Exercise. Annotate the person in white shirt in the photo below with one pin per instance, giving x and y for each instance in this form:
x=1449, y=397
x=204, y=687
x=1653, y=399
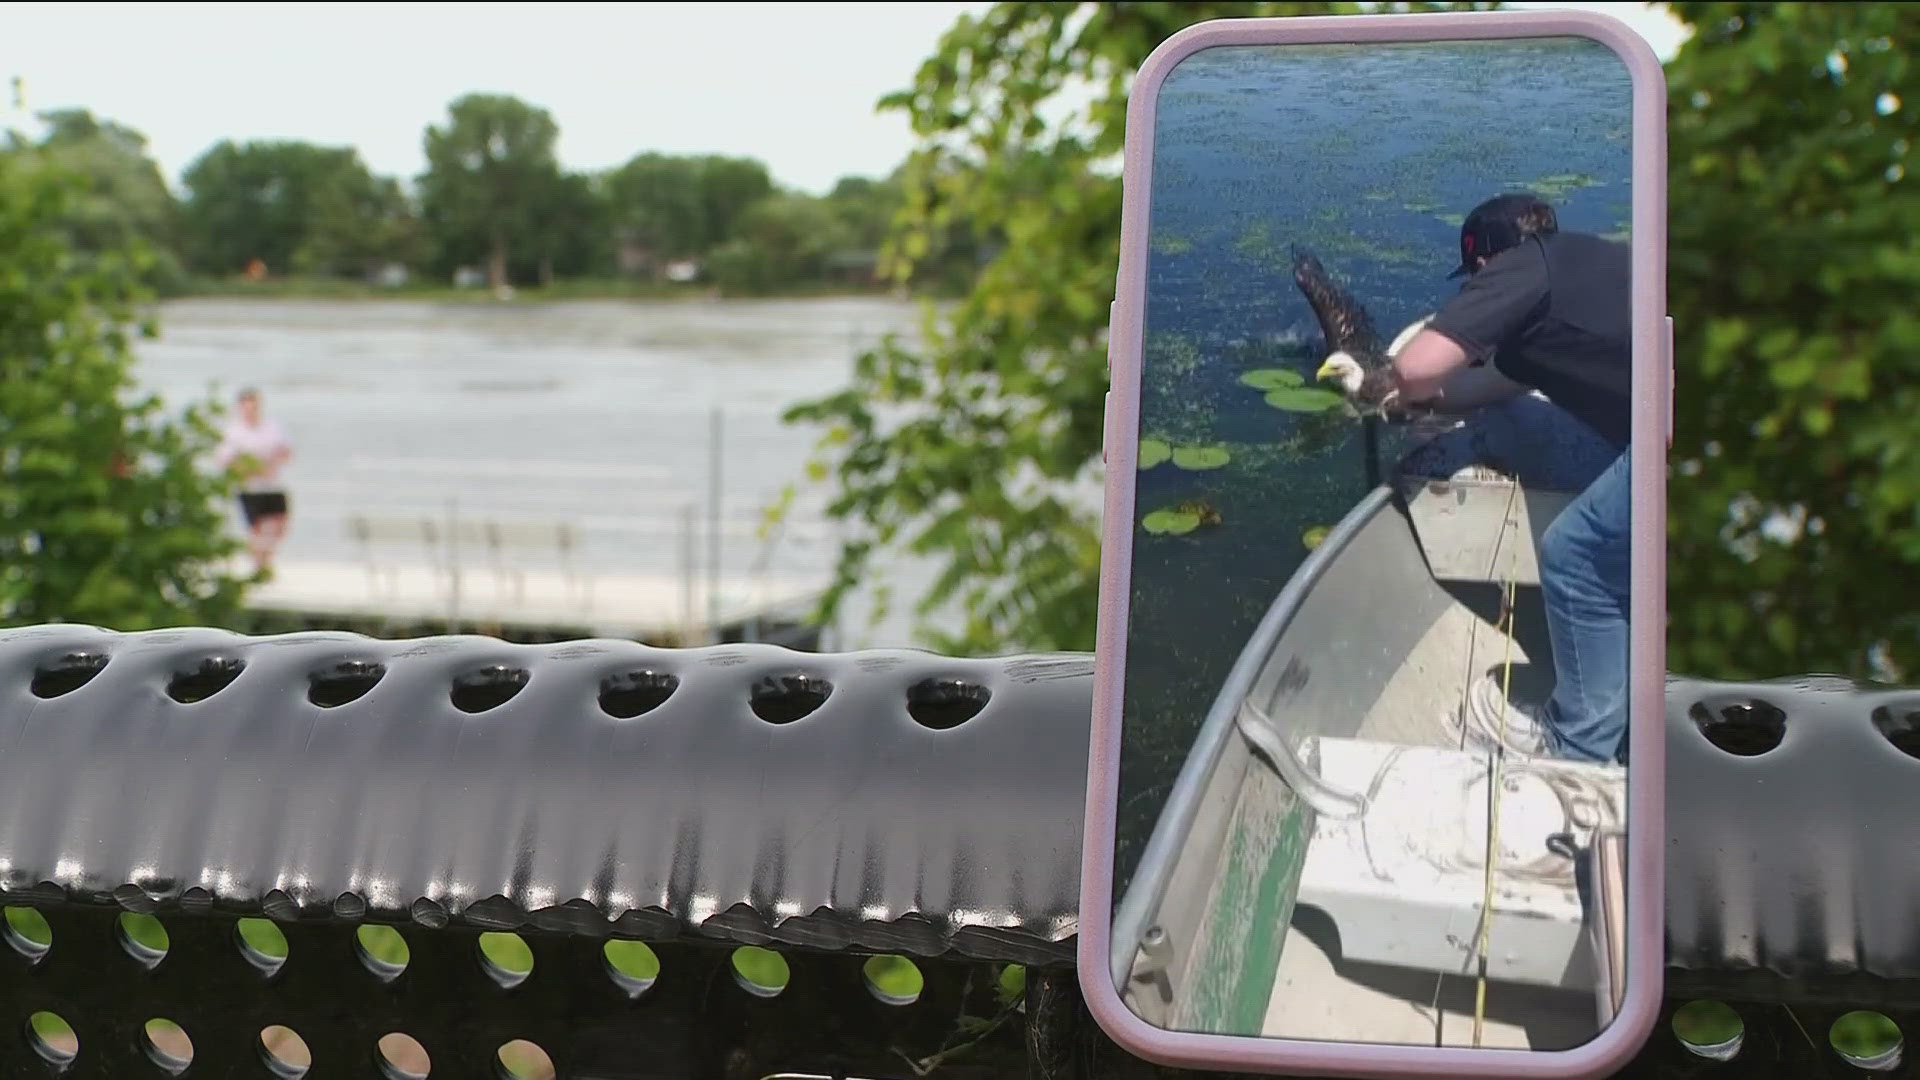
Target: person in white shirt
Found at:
x=260, y=449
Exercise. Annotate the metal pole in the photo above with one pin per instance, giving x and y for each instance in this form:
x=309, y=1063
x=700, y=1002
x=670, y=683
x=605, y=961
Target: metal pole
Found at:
x=453, y=566
x=690, y=611
x=713, y=534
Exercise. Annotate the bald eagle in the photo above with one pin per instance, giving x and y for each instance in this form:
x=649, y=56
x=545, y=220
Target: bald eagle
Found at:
x=1355, y=361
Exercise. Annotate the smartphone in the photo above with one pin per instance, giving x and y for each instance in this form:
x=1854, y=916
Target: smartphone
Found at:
x=1376, y=774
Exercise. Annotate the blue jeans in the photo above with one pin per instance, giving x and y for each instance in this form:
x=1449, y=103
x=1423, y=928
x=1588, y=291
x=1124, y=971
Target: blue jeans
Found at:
x=1527, y=437
x=1583, y=557
x=1584, y=574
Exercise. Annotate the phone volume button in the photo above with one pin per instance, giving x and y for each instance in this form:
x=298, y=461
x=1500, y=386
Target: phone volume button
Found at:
x=1670, y=382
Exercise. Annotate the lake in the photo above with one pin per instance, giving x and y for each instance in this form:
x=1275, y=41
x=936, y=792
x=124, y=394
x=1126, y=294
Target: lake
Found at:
x=595, y=413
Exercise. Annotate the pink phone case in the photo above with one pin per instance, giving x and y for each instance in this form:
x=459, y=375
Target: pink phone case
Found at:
x=1652, y=368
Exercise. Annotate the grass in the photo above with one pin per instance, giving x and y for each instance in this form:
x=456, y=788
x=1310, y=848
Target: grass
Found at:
x=632, y=960
x=508, y=952
x=763, y=968
x=896, y=978
x=29, y=927
x=384, y=945
x=1860, y=1035
x=1864, y=1034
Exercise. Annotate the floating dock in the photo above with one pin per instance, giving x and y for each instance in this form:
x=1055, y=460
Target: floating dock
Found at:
x=653, y=608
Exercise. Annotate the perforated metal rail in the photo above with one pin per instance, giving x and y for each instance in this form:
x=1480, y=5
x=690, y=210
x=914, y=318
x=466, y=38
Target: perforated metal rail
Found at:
x=393, y=855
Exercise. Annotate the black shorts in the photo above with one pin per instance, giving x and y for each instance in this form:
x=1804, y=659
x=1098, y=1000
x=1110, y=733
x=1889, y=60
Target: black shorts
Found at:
x=262, y=504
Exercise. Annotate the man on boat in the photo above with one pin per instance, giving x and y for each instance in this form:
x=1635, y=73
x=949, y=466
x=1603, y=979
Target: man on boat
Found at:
x=1536, y=352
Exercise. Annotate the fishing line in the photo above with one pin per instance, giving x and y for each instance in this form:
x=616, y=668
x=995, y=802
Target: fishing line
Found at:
x=1494, y=783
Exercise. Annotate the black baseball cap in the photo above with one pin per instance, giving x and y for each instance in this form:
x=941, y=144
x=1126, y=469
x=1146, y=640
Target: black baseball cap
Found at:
x=1501, y=222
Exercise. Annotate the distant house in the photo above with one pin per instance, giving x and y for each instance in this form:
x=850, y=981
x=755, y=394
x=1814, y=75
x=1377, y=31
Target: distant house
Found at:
x=683, y=270
x=391, y=275
x=854, y=267
x=634, y=257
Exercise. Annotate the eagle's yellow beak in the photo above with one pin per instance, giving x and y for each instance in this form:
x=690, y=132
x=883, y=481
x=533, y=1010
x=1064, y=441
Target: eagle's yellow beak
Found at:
x=1327, y=371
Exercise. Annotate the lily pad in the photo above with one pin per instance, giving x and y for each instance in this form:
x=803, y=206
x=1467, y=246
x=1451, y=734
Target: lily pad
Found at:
x=1170, y=522
x=1200, y=457
x=1153, y=452
x=1314, y=537
x=1273, y=379
x=1305, y=399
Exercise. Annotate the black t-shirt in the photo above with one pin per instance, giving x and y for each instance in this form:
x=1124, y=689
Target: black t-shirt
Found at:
x=1554, y=314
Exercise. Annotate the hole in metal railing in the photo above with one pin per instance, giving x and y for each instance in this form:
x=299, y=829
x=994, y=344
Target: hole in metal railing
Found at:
x=523, y=1060
x=143, y=938
x=1709, y=1029
x=214, y=674
x=945, y=703
x=402, y=1057
x=893, y=980
x=167, y=1045
x=285, y=1052
x=506, y=958
x=67, y=674
x=27, y=931
x=635, y=693
x=1867, y=1040
x=782, y=699
x=1902, y=729
x=760, y=972
x=53, y=1039
x=263, y=945
x=382, y=951
x=488, y=688
x=631, y=965
x=343, y=683
x=1747, y=728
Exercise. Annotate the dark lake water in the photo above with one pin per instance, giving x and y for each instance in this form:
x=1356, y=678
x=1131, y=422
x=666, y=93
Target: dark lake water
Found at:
x=1369, y=158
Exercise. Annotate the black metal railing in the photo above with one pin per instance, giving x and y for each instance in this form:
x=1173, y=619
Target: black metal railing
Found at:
x=387, y=855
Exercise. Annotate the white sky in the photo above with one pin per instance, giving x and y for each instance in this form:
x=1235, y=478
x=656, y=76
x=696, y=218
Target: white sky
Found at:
x=792, y=85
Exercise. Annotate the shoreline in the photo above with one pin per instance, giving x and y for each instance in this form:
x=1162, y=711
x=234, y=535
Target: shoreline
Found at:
x=307, y=290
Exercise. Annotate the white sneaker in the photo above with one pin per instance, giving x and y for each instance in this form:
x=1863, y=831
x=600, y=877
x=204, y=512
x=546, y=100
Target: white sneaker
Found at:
x=1490, y=720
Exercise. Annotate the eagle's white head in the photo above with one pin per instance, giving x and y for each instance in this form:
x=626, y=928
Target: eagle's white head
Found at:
x=1343, y=369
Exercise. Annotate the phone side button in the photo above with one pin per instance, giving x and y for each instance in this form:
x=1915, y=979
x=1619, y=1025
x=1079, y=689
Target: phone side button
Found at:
x=1113, y=314
x=1670, y=382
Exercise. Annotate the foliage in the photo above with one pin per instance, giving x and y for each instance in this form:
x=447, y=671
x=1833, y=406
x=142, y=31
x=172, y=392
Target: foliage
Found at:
x=1792, y=276
x=683, y=207
x=778, y=240
x=294, y=206
x=1791, y=273
x=122, y=200
x=105, y=516
x=967, y=449
x=491, y=171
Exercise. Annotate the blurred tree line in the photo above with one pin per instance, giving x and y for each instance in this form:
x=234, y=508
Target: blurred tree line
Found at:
x=1794, y=499
x=494, y=201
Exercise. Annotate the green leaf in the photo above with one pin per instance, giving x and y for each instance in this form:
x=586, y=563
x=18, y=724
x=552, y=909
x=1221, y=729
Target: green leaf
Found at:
x=1201, y=458
x=1314, y=537
x=1153, y=452
x=1307, y=399
x=1170, y=522
x=1273, y=379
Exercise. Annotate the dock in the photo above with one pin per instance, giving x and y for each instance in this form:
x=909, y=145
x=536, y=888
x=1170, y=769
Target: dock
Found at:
x=657, y=607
